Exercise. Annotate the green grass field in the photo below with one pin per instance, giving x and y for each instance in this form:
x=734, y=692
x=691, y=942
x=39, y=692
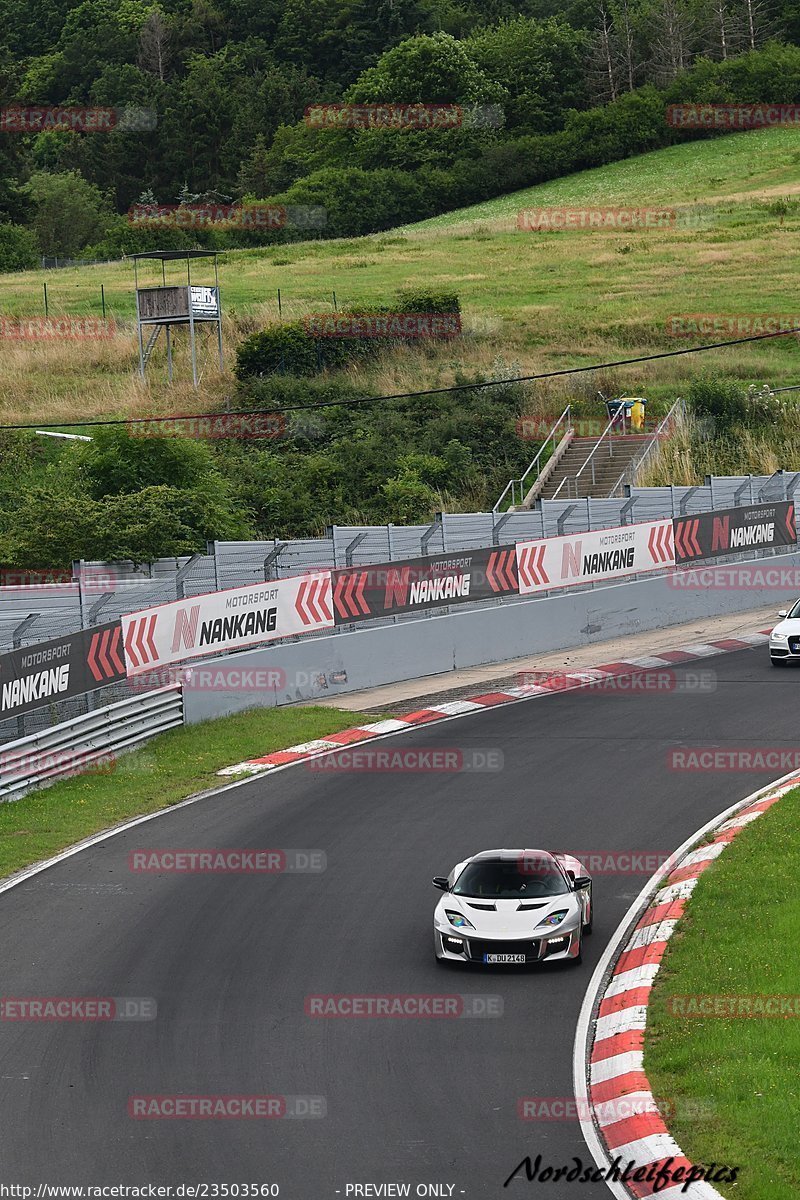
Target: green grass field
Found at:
x=733, y=1083
x=162, y=772
x=532, y=301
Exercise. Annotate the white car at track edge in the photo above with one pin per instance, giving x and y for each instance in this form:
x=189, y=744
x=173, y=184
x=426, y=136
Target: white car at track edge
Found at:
x=513, y=907
x=784, y=641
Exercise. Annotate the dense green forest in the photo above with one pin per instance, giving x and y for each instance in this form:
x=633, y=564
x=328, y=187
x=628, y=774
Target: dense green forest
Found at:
x=228, y=84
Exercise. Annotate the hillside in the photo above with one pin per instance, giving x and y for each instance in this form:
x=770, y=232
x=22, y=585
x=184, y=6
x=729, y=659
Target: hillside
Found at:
x=531, y=300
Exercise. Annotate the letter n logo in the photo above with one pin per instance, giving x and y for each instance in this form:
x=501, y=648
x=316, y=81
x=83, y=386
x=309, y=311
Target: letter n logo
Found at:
x=396, y=588
x=571, y=559
x=185, y=628
x=720, y=534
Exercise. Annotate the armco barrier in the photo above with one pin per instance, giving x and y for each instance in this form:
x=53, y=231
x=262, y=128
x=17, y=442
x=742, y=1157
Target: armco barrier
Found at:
x=104, y=591
x=149, y=641
x=328, y=666
x=96, y=738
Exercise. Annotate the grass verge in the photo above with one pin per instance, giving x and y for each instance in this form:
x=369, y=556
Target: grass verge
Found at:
x=733, y=1083
x=168, y=769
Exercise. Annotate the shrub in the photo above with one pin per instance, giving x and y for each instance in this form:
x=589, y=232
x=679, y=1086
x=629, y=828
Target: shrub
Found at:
x=19, y=250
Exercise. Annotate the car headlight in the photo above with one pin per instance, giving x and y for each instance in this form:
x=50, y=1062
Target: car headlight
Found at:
x=777, y=637
x=459, y=920
x=555, y=918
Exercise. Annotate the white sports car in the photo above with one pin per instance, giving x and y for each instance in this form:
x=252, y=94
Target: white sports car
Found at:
x=784, y=641
x=513, y=906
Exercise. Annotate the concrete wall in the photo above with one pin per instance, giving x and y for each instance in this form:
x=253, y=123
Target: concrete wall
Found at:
x=345, y=662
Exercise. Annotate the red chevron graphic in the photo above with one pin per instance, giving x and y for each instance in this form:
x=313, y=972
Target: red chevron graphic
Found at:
x=348, y=595
x=130, y=653
x=311, y=603
x=113, y=651
x=659, y=543
x=324, y=598
x=91, y=657
x=300, y=603
x=500, y=573
x=790, y=525
x=530, y=561
x=687, y=544
x=139, y=645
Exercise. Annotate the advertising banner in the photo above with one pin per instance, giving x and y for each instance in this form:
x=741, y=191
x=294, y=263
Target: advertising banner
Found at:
x=229, y=620
x=729, y=530
x=582, y=558
x=362, y=593
x=35, y=676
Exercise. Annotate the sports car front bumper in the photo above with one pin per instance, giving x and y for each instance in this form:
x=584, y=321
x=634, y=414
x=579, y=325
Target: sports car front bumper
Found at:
x=453, y=946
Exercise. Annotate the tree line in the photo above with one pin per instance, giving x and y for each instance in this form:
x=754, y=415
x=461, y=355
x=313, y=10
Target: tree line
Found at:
x=230, y=82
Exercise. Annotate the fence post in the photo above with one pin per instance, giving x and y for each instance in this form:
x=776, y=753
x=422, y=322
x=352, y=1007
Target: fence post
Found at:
x=497, y=526
x=271, y=558
x=626, y=508
x=16, y=642
x=428, y=534
x=390, y=540
x=180, y=590
x=352, y=547
x=563, y=516
x=211, y=552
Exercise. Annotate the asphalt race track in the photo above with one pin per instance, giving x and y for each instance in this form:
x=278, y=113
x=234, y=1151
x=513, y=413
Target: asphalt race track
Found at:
x=231, y=958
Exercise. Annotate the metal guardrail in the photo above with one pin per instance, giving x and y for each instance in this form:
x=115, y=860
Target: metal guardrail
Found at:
x=513, y=484
x=96, y=738
x=607, y=436
x=633, y=468
x=105, y=591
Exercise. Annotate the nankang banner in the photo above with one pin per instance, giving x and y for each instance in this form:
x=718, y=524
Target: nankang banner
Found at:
x=35, y=676
x=730, y=530
x=584, y=558
x=361, y=593
x=229, y=620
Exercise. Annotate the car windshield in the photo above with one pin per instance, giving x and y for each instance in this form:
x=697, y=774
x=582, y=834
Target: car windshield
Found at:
x=795, y=612
x=520, y=879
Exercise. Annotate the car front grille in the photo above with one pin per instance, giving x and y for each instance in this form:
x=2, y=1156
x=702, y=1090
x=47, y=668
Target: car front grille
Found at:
x=527, y=946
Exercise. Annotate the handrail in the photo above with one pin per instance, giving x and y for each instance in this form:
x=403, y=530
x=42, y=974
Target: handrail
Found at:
x=512, y=483
x=618, y=415
x=633, y=468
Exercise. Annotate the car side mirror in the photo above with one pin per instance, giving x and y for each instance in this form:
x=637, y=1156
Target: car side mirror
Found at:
x=581, y=881
x=439, y=881
x=783, y=613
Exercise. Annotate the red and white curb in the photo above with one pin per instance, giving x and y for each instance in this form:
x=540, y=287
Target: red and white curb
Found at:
x=621, y=1118
x=559, y=682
